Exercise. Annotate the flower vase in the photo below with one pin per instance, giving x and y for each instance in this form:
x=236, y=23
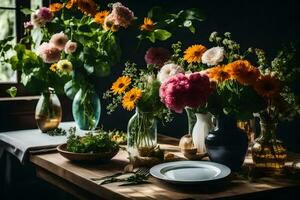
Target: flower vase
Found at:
x=86, y=109
x=48, y=112
x=142, y=133
x=268, y=153
x=191, y=119
x=227, y=144
x=202, y=126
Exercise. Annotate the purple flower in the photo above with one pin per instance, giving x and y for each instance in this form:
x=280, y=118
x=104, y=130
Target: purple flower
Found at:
x=157, y=56
x=44, y=14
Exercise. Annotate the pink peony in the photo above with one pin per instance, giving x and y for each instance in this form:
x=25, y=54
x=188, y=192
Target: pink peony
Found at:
x=70, y=47
x=49, y=53
x=157, y=56
x=59, y=40
x=45, y=14
x=182, y=90
x=173, y=92
x=120, y=16
x=28, y=25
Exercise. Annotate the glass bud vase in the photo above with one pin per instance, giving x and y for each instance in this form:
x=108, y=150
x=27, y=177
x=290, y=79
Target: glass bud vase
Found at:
x=268, y=153
x=48, y=111
x=142, y=133
x=86, y=109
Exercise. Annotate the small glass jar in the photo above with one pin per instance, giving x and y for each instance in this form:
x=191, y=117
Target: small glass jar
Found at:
x=142, y=133
x=269, y=153
x=48, y=112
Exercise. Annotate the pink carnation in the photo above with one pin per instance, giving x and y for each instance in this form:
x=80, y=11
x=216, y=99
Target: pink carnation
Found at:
x=45, y=14
x=49, y=53
x=120, y=16
x=180, y=91
x=173, y=92
x=157, y=56
x=59, y=40
x=70, y=47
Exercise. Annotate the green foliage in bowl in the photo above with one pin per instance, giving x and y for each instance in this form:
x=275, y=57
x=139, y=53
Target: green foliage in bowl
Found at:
x=92, y=142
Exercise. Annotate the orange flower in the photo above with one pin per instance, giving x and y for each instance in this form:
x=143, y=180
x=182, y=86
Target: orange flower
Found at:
x=218, y=73
x=100, y=16
x=120, y=85
x=88, y=7
x=55, y=7
x=268, y=86
x=148, y=25
x=54, y=67
x=70, y=4
x=131, y=98
x=243, y=72
x=194, y=53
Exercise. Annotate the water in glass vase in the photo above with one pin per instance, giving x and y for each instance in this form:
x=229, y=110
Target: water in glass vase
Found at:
x=269, y=153
x=142, y=133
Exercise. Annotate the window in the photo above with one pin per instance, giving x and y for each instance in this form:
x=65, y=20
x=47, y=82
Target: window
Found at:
x=11, y=24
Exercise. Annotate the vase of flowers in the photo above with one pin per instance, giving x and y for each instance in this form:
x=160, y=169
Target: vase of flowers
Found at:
x=86, y=109
x=48, y=112
x=142, y=133
x=227, y=144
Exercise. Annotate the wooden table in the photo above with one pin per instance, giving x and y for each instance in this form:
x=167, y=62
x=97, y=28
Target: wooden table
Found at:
x=75, y=179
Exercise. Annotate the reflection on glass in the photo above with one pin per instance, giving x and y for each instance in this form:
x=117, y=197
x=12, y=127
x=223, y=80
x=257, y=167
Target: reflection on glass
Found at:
x=7, y=3
x=7, y=27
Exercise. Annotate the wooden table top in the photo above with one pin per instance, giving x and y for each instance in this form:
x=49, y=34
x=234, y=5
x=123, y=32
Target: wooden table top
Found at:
x=75, y=178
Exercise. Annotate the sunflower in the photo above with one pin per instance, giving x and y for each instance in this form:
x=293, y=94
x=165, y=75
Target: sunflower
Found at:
x=194, y=53
x=268, y=86
x=54, y=67
x=65, y=66
x=55, y=7
x=148, y=25
x=218, y=73
x=88, y=7
x=243, y=72
x=70, y=4
x=130, y=98
x=100, y=16
x=120, y=85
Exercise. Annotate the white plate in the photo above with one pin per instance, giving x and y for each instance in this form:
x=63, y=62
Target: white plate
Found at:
x=189, y=172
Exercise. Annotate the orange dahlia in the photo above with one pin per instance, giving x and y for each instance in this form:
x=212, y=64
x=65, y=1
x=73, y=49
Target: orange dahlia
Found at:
x=88, y=7
x=55, y=7
x=131, y=98
x=243, y=72
x=70, y=4
x=100, y=16
x=268, y=86
x=148, y=25
x=218, y=73
x=194, y=53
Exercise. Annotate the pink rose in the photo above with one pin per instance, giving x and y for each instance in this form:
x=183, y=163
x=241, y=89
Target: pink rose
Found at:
x=49, y=53
x=70, y=47
x=59, y=40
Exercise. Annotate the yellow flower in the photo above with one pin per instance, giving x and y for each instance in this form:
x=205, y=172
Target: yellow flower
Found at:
x=55, y=7
x=65, y=66
x=194, y=53
x=131, y=98
x=218, y=73
x=53, y=67
x=100, y=16
x=88, y=7
x=243, y=72
x=148, y=25
x=120, y=85
x=70, y=4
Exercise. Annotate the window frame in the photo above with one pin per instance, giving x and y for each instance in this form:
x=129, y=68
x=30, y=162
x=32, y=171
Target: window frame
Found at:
x=19, y=27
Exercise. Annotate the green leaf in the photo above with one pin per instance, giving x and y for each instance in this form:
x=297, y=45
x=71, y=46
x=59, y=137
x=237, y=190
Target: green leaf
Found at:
x=70, y=89
x=192, y=14
x=88, y=68
x=187, y=23
x=161, y=34
x=151, y=37
x=26, y=11
x=12, y=91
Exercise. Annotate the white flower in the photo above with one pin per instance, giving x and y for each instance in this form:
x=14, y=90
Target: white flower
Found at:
x=167, y=71
x=213, y=56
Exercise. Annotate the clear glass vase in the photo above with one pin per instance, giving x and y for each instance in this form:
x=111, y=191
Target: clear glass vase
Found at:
x=192, y=119
x=48, y=112
x=268, y=153
x=142, y=133
x=86, y=109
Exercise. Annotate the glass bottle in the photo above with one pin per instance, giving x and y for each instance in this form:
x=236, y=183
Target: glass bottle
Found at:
x=269, y=153
x=142, y=133
x=48, y=112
